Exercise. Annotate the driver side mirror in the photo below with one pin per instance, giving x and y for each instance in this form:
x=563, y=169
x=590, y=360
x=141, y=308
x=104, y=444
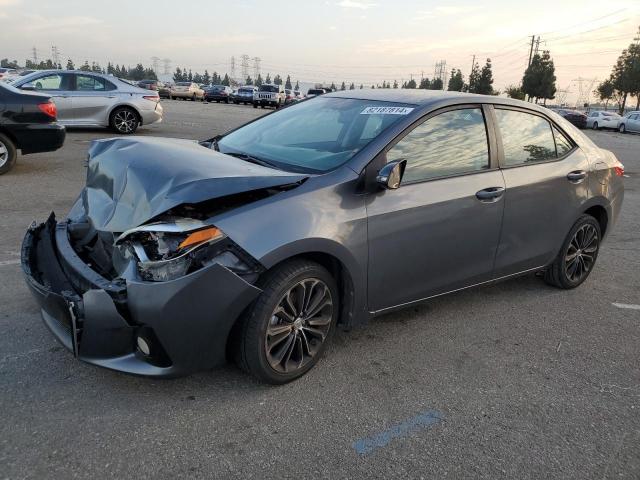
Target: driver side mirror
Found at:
x=390, y=176
x=28, y=86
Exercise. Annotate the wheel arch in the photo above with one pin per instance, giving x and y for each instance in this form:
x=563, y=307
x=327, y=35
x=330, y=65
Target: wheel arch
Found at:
x=600, y=213
x=124, y=105
x=344, y=271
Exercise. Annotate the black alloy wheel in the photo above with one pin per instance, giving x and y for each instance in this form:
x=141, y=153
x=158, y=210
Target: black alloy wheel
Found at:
x=578, y=255
x=284, y=333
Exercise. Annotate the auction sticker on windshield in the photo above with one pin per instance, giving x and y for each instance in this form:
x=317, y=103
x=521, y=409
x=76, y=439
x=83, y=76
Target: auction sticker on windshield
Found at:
x=386, y=111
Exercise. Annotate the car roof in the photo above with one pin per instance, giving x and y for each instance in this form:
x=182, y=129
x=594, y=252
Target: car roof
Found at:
x=428, y=98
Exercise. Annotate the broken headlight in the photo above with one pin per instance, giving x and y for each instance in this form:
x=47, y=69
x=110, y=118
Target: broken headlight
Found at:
x=169, y=250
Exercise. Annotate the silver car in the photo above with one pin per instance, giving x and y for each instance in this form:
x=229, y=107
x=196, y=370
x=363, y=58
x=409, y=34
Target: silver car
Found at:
x=88, y=99
x=630, y=123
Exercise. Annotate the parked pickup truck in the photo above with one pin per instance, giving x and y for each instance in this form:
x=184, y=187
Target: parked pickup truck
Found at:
x=269, y=95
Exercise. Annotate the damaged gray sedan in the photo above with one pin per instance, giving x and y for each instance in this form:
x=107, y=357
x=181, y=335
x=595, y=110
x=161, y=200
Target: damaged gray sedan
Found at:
x=258, y=244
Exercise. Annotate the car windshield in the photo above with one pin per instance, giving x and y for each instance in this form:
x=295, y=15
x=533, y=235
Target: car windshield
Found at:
x=183, y=84
x=315, y=92
x=268, y=88
x=314, y=136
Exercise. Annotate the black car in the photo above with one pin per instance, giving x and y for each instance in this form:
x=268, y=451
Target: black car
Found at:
x=157, y=86
x=218, y=93
x=27, y=123
x=578, y=119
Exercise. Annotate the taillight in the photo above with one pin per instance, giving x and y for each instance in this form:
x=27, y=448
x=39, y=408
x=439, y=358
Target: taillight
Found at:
x=49, y=108
x=153, y=98
x=619, y=170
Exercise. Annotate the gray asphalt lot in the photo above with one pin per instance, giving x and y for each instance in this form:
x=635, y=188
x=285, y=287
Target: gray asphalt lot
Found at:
x=514, y=380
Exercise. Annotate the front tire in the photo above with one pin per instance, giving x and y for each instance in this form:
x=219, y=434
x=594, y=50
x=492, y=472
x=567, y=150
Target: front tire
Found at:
x=595, y=125
x=124, y=120
x=622, y=129
x=8, y=154
x=285, y=332
x=577, y=256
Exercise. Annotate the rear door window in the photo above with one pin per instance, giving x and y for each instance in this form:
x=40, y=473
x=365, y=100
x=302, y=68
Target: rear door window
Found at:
x=526, y=138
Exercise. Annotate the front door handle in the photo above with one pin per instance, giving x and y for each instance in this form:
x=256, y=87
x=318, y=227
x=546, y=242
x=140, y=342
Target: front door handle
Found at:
x=576, y=176
x=490, y=194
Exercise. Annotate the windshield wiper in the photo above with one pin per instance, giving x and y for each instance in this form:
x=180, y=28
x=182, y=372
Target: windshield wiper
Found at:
x=250, y=158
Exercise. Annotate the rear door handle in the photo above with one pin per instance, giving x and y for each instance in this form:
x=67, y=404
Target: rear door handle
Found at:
x=490, y=194
x=576, y=176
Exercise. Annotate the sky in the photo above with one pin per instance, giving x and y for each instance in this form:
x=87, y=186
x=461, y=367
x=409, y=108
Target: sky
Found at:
x=360, y=41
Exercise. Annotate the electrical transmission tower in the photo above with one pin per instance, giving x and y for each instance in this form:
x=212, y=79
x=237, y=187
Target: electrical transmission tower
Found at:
x=440, y=71
x=55, y=55
x=244, y=66
x=585, y=87
x=256, y=67
x=35, y=55
x=166, y=66
x=232, y=63
x=155, y=61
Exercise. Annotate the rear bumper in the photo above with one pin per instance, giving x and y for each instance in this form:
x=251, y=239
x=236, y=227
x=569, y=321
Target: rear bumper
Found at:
x=186, y=321
x=152, y=115
x=35, y=138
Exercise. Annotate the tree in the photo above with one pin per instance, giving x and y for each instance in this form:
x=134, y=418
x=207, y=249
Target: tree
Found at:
x=395, y=84
x=361, y=86
x=343, y=86
x=259, y=81
x=226, y=80
x=411, y=84
x=277, y=80
x=626, y=74
x=177, y=76
x=436, y=84
x=206, y=78
x=474, y=78
x=425, y=84
x=485, y=81
x=70, y=65
x=352, y=86
x=248, y=80
x=606, y=92
x=197, y=78
x=297, y=87
x=5, y=63
x=268, y=79
x=539, y=80
x=456, y=82
x=287, y=84
x=85, y=66
x=515, y=91
x=333, y=86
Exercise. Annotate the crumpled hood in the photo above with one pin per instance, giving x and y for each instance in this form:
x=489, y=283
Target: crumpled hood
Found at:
x=132, y=180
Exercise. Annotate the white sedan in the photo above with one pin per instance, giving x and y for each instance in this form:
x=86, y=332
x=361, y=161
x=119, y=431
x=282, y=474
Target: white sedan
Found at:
x=601, y=119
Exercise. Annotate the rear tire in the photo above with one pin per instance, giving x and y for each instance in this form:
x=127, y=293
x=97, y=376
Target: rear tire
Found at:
x=124, y=120
x=255, y=105
x=8, y=154
x=193, y=97
x=622, y=129
x=577, y=256
x=284, y=333
x=595, y=125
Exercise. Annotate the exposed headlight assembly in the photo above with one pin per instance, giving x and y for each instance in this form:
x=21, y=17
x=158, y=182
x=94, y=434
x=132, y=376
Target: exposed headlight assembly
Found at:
x=169, y=250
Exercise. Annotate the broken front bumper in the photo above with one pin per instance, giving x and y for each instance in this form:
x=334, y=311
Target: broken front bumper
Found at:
x=185, y=321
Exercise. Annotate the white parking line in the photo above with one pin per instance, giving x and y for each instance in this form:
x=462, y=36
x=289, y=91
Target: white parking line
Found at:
x=628, y=306
x=9, y=262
